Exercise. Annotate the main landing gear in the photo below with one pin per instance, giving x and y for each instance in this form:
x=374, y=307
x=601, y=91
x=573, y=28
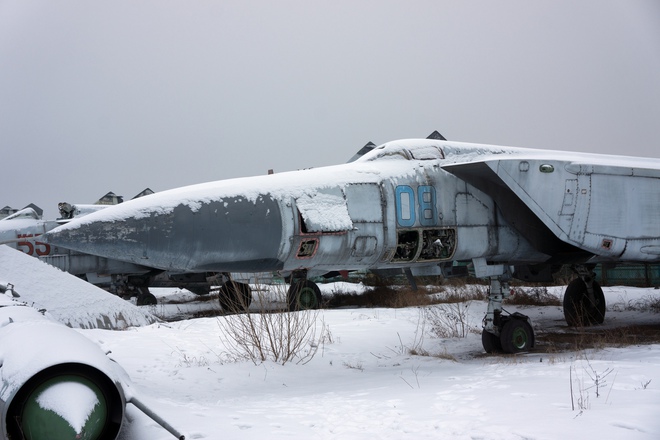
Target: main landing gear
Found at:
x=584, y=302
x=145, y=298
x=303, y=294
x=133, y=286
x=234, y=296
x=584, y=305
x=511, y=333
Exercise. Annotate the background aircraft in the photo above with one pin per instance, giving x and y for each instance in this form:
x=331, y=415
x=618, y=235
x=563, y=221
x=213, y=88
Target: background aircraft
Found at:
x=419, y=206
x=22, y=230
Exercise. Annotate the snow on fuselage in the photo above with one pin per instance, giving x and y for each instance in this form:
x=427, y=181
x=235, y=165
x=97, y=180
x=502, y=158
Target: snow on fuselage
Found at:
x=394, y=207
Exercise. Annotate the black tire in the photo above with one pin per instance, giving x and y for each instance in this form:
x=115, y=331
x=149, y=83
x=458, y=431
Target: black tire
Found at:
x=304, y=295
x=491, y=342
x=517, y=336
x=235, y=297
x=146, y=299
x=578, y=310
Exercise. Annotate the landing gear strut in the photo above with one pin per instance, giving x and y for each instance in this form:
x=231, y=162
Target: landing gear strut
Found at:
x=511, y=333
x=584, y=302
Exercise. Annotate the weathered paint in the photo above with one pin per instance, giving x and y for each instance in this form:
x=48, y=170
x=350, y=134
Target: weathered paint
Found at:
x=403, y=204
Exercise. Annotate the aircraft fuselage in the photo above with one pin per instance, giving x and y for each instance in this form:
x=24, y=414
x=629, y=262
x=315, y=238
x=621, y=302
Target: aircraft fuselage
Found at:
x=393, y=212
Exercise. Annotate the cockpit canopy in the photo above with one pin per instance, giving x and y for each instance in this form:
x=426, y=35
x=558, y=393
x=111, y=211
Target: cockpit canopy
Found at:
x=397, y=151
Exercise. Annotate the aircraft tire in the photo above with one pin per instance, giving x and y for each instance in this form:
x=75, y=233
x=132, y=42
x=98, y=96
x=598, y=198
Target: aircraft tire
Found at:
x=146, y=299
x=578, y=310
x=517, y=336
x=304, y=295
x=235, y=297
x=491, y=342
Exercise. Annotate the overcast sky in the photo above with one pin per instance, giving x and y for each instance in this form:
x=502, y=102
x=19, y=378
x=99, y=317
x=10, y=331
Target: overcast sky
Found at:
x=124, y=95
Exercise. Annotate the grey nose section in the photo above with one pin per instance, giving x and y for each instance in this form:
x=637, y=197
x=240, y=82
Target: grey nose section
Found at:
x=230, y=234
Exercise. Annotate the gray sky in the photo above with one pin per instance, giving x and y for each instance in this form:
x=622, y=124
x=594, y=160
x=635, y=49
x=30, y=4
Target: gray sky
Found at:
x=123, y=95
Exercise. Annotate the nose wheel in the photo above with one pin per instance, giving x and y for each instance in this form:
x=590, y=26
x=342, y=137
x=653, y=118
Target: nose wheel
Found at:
x=515, y=336
x=511, y=333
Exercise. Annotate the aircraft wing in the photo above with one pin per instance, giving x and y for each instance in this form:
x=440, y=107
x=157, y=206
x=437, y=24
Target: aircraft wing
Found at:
x=607, y=209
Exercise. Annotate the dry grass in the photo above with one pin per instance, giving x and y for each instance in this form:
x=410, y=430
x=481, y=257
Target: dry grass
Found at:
x=449, y=320
x=382, y=293
x=649, y=303
x=382, y=296
x=457, y=294
x=598, y=338
x=532, y=296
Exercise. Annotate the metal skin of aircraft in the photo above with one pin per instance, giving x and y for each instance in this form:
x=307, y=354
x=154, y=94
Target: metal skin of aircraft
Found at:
x=419, y=206
x=23, y=229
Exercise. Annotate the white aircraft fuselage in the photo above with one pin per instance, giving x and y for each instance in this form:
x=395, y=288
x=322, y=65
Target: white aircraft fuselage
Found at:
x=414, y=203
x=417, y=206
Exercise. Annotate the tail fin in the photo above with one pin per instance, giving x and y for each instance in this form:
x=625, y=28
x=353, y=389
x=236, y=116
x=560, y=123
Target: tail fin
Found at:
x=364, y=150
x=436, y=135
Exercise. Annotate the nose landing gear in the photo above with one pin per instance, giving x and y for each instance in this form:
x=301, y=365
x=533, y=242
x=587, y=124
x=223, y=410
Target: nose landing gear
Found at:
x=511, y=333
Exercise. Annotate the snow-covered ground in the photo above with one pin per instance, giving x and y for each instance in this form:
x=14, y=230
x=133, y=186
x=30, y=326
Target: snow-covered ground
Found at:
x=66, y=298
x=364, y=383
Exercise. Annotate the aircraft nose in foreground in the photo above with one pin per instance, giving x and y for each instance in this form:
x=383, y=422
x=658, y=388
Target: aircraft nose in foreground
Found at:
x=230, y=233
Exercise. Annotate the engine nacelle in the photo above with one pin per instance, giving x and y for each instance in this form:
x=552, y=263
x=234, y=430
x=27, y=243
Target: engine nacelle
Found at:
x=54, y=382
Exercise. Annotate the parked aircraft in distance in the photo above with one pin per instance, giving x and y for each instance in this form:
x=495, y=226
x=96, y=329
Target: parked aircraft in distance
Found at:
x=23, y=228
x=419, y=206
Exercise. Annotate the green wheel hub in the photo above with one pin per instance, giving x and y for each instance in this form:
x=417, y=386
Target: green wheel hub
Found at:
x=303, y=295
x=519, y=338
x=307, y=298
x=517, y=334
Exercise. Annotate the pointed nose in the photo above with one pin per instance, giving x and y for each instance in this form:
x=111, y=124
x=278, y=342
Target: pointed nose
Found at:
x=230, y=234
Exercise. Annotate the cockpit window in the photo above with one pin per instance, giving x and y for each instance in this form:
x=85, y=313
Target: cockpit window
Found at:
x=427, y=153
x=422, y=152
x=388, y=152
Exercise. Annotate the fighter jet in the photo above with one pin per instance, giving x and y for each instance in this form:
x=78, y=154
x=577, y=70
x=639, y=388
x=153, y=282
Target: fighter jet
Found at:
x=419, y=206
x=23, y=228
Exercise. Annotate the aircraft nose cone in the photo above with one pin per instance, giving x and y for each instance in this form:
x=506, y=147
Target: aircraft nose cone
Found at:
x=230, y=234
x=115, y=239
